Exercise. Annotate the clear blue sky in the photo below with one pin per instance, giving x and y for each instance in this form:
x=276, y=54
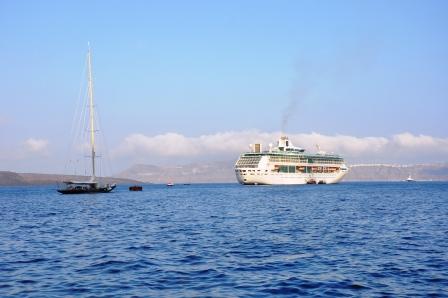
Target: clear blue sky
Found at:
x=360, y=68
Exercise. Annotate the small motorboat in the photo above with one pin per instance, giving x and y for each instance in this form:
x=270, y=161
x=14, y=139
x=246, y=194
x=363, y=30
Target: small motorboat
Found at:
x=135, y=188
x=170, y=184
x=409, y=179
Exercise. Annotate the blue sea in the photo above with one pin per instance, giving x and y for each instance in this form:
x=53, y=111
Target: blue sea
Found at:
x=226, y=240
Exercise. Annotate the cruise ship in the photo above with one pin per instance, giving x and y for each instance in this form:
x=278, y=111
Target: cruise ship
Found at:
x=286, y=164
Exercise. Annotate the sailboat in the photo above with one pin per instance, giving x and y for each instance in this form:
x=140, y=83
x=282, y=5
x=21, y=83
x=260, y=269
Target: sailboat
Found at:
x=93, y=185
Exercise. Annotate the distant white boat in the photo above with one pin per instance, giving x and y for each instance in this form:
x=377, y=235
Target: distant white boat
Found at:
x=409, y=179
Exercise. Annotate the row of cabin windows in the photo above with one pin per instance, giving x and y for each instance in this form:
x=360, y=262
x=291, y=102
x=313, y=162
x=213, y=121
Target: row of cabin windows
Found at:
x=295, y=169
x=303, y=169
x=304, y=160
x=325, y=161
x=287, y=159
x=253, y=172
x=248, y=162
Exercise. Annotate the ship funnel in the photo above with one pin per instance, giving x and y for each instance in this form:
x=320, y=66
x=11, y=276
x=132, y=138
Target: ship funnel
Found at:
x=283, y=143
x=257, y=148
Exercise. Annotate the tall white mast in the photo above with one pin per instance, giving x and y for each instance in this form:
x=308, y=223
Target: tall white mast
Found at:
x=91, y=112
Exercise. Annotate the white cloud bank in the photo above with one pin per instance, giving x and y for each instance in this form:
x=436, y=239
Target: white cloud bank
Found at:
x=404, y=147
x=36, y=145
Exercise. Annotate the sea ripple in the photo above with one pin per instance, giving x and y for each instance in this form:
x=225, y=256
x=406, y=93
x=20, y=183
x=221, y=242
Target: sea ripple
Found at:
x=226, y=240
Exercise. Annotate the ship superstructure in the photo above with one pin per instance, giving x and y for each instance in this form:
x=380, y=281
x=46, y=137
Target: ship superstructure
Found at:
x=286, y=164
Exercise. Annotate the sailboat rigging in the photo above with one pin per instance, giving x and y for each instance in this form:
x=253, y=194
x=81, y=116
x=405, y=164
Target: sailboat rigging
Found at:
x=92, y=185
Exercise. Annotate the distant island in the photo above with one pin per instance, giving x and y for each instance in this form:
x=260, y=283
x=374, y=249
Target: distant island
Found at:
x=391, y=172
x=8, y=178
x=223, y=172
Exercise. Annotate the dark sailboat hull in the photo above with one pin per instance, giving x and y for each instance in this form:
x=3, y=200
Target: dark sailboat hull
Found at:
x=86, y=191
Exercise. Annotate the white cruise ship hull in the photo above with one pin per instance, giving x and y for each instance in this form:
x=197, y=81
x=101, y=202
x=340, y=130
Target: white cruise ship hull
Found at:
x=260, y=178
